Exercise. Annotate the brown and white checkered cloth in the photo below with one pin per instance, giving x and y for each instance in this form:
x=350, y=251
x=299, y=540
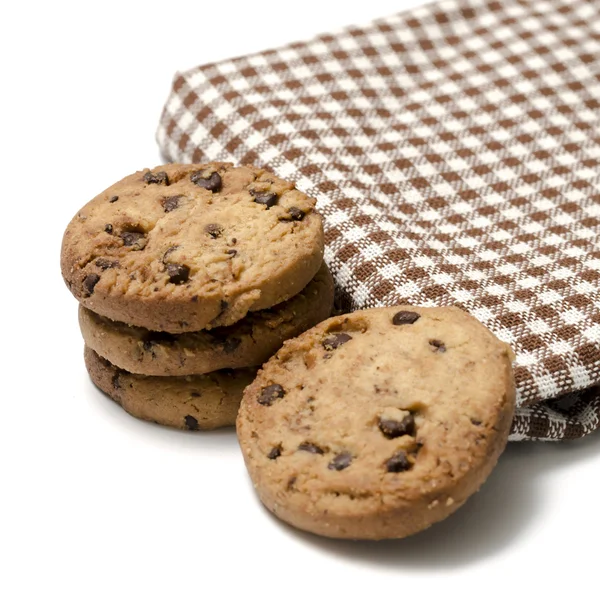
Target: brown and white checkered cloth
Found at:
x=454, y=151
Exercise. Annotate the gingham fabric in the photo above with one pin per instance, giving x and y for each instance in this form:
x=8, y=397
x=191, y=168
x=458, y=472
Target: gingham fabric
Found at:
x=454, y=152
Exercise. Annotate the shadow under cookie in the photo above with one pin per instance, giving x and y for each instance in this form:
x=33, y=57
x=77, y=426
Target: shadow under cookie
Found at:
x=195, y=402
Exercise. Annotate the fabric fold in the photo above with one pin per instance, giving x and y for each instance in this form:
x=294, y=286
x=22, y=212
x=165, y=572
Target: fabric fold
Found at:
x=454, y=152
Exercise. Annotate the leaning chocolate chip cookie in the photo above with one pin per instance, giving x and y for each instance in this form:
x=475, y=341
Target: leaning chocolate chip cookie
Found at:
x=379, y=423
x=247, y=343
x=194, y=402
x=188, y=247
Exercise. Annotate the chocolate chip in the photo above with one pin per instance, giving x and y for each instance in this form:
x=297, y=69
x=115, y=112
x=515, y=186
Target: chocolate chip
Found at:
x=114, y=199
x=195, y=298
x=231, y=252
x=104, y=264
x=291, y=482
x=312, y=448
x=89, y=283
x=160, y=178
x=393, y=429
x=271, y=393
x=134, y=238
x=108, y=228
x=230, y=344
x=195, y=394
x=296, y=213
x=178, y=274
x=269, y=199
x=149, y=347
x=437, y=346
x=475, y=422
x=191, y=422
x=340, y=462
x=335, y=341
x=234, y=241
x=214, y=230
x=405, y=317
x=207, y=179
x=115, y=381
x=274, y=453
x=398, y=463
x=171, y=202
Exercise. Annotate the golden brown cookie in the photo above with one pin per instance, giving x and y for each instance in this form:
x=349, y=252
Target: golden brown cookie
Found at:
x=247, y=343
x=189, y=247
x=193, y=402
x=379, y=423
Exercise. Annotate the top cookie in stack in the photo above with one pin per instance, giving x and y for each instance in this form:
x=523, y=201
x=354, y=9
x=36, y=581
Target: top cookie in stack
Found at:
x=189, y=247
x=183, y=248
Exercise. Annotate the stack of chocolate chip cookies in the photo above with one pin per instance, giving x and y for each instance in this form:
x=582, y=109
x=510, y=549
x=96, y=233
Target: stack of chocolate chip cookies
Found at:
x=189, y=277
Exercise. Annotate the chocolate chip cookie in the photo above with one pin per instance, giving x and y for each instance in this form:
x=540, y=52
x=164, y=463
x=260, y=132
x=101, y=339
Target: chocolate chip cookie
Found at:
x=193, y=402
x=187, y=247
x=379, y=423
x=248, y=342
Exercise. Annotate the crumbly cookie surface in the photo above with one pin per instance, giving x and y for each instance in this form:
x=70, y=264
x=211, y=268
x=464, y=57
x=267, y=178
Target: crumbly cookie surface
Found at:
x=194, y=402
x=187, y=247
x=379, y=423
x=247, y=343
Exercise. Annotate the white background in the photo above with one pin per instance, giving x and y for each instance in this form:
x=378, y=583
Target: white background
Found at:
x=95, y=504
